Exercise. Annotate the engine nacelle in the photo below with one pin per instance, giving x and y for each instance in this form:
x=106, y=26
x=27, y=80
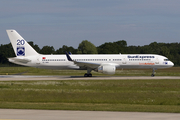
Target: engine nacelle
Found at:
x=106, y=69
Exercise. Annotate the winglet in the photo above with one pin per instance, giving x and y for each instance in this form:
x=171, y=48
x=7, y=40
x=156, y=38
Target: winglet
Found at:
x=70, y=53
x=68, y=57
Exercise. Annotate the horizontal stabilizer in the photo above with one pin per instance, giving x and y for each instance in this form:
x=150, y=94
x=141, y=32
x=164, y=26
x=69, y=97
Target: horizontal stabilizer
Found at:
x=20, y=60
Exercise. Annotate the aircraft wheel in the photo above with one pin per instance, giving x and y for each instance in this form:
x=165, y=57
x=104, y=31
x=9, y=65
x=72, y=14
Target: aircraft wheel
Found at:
x=90, y=75
x=87, y=75
x=152, y=75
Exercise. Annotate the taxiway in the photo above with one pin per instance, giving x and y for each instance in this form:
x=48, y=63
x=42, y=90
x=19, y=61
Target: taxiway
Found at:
x=25, y=77
x=19, y=114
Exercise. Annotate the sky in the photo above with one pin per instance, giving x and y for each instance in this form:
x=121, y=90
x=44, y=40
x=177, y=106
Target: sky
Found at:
x=68, y=22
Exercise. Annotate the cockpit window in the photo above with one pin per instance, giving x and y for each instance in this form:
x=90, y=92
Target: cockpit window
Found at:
x=166, y=59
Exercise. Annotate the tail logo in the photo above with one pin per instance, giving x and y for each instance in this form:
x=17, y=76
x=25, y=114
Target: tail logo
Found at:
x=20, y=48
x=20, y=51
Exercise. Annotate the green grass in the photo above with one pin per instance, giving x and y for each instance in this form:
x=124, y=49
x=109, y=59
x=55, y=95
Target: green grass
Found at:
x=108, y=95
x=174, y=71
x=104, y=95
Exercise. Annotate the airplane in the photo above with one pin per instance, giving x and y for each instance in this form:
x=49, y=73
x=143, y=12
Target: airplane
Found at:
x=103, y=63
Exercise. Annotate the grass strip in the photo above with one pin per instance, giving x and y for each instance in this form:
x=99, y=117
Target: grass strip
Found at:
x=104, y=95
x=92, y=107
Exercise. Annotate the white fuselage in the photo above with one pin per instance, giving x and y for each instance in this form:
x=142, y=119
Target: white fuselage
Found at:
x=119, y=60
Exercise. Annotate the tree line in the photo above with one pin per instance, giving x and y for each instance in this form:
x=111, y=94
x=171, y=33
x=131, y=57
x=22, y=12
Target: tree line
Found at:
x=170, y=50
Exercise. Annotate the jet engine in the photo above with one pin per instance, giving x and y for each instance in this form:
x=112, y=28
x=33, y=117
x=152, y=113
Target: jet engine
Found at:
x=106, y=69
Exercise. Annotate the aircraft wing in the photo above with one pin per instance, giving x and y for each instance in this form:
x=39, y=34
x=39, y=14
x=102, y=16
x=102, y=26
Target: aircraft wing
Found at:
x=21, y=60
x=82, y=63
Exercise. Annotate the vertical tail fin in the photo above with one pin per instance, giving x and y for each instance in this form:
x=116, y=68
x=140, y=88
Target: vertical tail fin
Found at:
x=20, y=46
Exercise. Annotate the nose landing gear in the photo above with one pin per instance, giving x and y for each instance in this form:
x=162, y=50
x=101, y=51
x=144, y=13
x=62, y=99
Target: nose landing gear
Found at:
x=153, y=72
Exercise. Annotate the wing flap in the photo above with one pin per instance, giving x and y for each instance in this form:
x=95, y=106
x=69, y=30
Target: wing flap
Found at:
x=86, y=64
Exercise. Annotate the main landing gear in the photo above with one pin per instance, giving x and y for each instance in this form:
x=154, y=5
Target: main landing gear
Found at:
x=88, y=74
x=153, y=72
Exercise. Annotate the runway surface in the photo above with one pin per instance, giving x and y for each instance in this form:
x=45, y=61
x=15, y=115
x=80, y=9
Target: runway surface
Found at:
x=25, y=77
x=19, y=114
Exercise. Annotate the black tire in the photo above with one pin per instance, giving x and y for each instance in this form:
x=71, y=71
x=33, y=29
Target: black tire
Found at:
x=90, y=75
x=87, y=75
x=152, y=75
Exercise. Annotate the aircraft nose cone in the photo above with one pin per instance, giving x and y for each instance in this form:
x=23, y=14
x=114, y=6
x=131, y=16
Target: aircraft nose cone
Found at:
x=171, y=63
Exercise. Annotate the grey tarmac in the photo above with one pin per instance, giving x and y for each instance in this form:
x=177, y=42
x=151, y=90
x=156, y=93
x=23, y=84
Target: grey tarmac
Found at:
x=20, y=114
x=25, y=77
